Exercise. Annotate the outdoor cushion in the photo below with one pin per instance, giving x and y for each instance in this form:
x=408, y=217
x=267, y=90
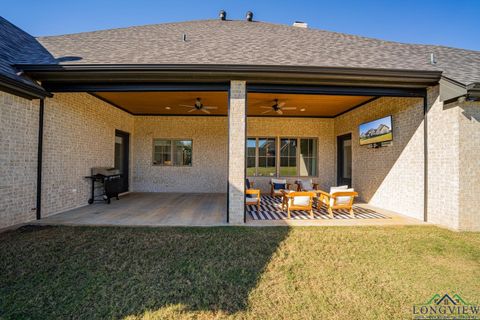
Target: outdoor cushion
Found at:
x=336, y=189
x=306, y=184
x=301, y=201
x=247, y=184
x=342, y=200
x=251, y=200
x=278, y=186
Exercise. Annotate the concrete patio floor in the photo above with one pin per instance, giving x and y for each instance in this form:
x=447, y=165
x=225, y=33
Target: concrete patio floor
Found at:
x=191, y=209
x=149, y=209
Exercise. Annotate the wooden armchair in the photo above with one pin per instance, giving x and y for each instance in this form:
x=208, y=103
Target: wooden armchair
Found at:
x=252, y=197
x=277, y=192
x=298, y=200
x=306, y=185
x=338, y=200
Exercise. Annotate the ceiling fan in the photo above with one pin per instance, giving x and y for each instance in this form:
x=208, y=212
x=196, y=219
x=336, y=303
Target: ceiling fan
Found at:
x=277, y=107
x=198, y=105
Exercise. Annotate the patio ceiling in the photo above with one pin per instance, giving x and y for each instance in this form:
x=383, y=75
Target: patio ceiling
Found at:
x=172, y=103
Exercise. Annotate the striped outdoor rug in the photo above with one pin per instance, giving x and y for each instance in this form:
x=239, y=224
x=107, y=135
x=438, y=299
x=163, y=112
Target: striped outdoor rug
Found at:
x=271, y=209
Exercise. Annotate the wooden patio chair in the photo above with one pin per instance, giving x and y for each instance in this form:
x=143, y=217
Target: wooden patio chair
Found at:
x=338, y=199
x=306, y=185
x=298, y=200
x=252, y=196
x=277, y=185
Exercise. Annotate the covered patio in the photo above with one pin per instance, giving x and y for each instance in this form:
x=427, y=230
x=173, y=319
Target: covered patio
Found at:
x=192, y=145
x=201, y=210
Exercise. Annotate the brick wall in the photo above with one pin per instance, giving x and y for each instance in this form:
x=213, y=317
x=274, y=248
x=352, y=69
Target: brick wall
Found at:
x=469, y=136
x=18, y=159
x=79, y=134
x=208, y=172
x=443, y=162
x=389, y=177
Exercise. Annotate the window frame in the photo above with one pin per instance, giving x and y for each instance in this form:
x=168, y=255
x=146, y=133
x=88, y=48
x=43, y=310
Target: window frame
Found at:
x=257, y=155
x=278, y=140
x=172, y=152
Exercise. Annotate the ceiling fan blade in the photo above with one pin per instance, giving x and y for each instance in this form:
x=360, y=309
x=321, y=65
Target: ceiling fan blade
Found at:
x=281, y=104
x=263, y=107
x=279, y=111
x=209, y=107
x=184, y=105
x=289, y=108
x=193, y=109
x=266, y=111
x=206, y=111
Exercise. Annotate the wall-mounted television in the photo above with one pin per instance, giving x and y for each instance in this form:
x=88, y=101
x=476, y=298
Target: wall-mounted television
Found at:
x=376, y=131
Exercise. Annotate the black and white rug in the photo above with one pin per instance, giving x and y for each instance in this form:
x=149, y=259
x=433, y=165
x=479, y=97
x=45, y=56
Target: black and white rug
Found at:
x=271, y=209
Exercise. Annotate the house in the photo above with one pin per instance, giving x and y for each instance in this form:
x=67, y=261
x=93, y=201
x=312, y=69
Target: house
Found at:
x=382, y=129
x=198, y=106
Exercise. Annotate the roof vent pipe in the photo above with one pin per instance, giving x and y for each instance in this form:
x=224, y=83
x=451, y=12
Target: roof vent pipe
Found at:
x=433, y=59
x=300, y=24
x=222, y=15
x=249, y=16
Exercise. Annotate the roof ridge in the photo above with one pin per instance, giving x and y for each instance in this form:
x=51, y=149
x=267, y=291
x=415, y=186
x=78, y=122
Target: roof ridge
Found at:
x=287, y=26
x=125, y=28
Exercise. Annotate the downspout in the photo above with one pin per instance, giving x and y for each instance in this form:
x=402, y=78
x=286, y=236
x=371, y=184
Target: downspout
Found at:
x=39, y=159
x=246, y=152
x=425, y=157
x=228, y=156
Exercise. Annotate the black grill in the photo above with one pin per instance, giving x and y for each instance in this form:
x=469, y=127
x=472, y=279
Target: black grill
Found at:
x=106, y=184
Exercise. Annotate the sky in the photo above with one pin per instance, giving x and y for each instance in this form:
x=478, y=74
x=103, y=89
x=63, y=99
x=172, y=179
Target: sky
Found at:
x=441, y=22
x=374, y=124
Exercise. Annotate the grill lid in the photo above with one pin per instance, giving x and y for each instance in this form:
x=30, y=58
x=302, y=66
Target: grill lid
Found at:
x=105, y=171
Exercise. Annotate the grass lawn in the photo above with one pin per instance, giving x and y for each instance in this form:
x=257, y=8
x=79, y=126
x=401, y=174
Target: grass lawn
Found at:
x=383, y=137
x=244, y=273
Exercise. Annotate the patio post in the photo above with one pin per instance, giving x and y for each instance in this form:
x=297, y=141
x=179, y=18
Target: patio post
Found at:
x=236, y=151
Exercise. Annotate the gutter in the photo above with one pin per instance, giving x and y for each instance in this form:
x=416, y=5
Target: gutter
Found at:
x=451, y=90
x=473, y=91
x=22, y=89
x=111, y=73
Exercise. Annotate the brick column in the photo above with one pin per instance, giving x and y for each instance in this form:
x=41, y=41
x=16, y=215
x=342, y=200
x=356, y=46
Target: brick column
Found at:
x=236, y=151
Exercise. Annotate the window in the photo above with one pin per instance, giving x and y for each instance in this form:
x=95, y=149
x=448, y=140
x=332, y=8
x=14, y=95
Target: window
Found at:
x=308, y=157
x=251, y=157
x=288, y=157
x=172, y=152
x=261, y=157
x=296, y=157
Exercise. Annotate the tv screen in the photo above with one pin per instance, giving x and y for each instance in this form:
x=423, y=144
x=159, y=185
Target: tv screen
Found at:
x=376, y=131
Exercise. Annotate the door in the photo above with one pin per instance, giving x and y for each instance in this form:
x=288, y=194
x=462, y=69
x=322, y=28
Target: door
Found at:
x=344, y=160
x=122, y=142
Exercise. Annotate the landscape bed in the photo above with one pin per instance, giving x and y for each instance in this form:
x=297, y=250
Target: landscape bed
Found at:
x=228, y=272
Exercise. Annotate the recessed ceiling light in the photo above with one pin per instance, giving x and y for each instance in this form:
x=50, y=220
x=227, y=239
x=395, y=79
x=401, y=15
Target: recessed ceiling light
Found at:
x=168, y=108
x=303, y=109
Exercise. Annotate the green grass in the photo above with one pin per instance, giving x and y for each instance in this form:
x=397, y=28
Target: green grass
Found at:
x=270, y=172
x=239, y=273
x=383, y=137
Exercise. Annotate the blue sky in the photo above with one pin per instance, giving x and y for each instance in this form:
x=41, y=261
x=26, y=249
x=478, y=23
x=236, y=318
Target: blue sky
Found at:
x=374, y=124
x=451, y=23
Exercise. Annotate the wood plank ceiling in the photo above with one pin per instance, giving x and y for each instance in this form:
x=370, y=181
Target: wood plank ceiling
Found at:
x=172, y=103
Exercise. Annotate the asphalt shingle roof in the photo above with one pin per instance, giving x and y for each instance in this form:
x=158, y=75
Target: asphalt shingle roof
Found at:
x=16, y=47
x=245, y=43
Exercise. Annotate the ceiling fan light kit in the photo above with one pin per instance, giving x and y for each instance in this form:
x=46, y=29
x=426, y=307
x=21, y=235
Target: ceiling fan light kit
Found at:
x=198, y=106
x=277, y=107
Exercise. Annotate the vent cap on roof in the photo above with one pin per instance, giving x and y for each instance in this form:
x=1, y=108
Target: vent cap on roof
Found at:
x=300, y=24
x=222, y=15
x=249, y=16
